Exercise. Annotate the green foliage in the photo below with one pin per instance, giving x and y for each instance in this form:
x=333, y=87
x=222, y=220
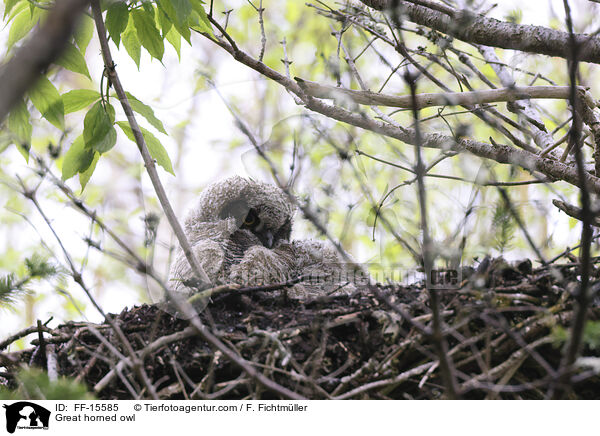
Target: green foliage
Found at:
x=20, y=125
x=73, y=60
x=117, y=16
x=199, y=20
x=84, y=176
x=148, y=33
x=183, y=8
x=98, y=131
x=174, y=39
x=131, y=42
x=48, y=101
x=150, y=25
x=22, y=24
x=591, y=335
x=79, y=99
x=77, y=159
x=8, y=5
x=39, y=267
x=156, y=149
x=177, y=11
x=514, y=16
x=11, y=290
x=503, y=226
x=34, y=384
x=84, y=33
x=147, y=112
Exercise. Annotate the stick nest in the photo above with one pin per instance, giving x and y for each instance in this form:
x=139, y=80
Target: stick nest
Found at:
x=503, y=326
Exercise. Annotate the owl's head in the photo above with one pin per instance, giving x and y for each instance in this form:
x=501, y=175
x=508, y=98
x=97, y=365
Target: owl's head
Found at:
x=259, y=208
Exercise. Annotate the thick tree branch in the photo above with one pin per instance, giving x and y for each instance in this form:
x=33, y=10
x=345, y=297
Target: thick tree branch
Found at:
x=498, y=152
x=477, y=29
x=34, y=57
x=434, y=99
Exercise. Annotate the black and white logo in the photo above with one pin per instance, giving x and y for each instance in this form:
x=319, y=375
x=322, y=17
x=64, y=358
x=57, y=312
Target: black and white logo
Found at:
x=26, y=415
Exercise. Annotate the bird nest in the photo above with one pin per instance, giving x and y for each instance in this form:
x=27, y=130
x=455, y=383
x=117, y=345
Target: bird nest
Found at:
x=504, y=328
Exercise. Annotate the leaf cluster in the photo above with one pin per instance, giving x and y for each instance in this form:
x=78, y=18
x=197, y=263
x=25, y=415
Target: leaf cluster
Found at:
x=137, y=25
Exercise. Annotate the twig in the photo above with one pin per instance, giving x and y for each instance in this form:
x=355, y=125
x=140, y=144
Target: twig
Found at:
x=261, y=22
x=574, y=211
x=574, y=342
x=438, y=339
x=386, y=382
x=78, y=278
x=497, y=152
x=141, y=144
x=20, y=334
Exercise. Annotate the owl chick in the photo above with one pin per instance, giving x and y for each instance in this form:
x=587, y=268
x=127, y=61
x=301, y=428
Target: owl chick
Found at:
x=240, y=232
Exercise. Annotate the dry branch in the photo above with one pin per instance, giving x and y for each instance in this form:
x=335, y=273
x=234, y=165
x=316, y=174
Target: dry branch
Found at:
x=573, y=211
x=477, y=29
x=500, y=153
x=344, y=347
x=434, y=99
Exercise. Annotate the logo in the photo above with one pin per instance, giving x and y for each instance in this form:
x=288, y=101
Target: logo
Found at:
x=26, y=415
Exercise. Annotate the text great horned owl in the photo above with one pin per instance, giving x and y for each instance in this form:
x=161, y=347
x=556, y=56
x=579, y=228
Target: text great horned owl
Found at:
x=240, y=231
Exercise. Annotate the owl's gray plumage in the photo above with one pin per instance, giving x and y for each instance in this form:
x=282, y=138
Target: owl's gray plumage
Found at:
x=240, y=232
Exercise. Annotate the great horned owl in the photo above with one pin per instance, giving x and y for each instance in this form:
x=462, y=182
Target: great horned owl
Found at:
x=240, y=231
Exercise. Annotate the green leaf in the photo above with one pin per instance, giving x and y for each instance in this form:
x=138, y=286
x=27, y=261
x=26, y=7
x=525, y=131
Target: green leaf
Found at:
x=183, y=8
x=117, y=16
x=48, y=101
x=174, y=38
x=107, y=142
x=164, y=22
x=157, y=151
x=77, y=159
x=21, y=25
x=20, y=6
x=147, y=112
x=182, y=26
x=24, y=150
x=148, y=34
x=8, y=5
x=132, y=43
x=19, y=124
x=84, y=33
x=79, y=99
x=200, y=19
x=84, y=176
x=97, y=126
x=73, y=60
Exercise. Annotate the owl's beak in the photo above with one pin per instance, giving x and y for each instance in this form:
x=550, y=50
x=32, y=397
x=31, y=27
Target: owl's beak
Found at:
x=268, y=239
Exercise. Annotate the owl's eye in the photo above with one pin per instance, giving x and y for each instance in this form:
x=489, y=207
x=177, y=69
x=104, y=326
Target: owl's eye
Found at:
x=251, y=221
